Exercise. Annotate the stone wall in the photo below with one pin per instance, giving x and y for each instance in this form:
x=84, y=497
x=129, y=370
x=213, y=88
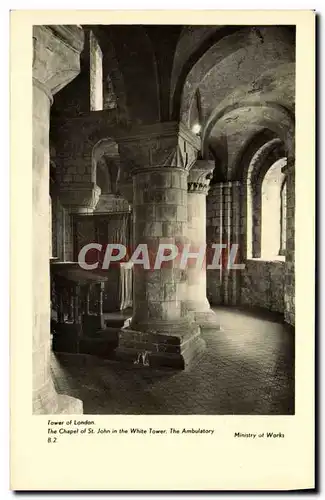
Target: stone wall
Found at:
x=262, y=285
x=74, y=139
x=289, y=289
x=111, y=203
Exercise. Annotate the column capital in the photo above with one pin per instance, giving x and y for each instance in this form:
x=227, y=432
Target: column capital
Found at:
x=56, y=56
x=200, y=176
x=158, y=145
x=154, y=146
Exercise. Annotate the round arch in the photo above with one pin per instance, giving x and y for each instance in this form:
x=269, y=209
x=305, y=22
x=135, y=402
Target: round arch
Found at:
x=107, y=147
x=229, y=42
x=274, y=116
x=260, y=163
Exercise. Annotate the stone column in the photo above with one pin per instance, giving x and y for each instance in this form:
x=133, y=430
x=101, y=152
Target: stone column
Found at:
x=235, y=274
x=162, y=330
x=55, y=64
x=198, y=186
x=214, y=235
x=230, y=237
x=289, y=281
x=224, y=227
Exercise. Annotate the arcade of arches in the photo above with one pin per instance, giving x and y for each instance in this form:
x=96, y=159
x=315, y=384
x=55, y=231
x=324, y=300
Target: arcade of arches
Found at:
x=150, y=134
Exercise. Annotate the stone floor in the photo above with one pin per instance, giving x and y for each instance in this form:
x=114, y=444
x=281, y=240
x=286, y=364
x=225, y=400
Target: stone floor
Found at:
x=247, y=369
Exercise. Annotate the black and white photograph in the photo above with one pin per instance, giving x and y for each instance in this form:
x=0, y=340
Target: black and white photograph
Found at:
x=162, y=250
x=164, y=182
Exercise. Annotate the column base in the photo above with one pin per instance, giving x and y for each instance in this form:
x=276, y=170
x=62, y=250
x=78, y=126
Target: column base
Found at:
x=203, y=315
x=207, y=320
x=172, y=349
x=47, y=401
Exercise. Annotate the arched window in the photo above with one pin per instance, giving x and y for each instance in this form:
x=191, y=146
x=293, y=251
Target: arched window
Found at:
x=272, y=211
x=266, y=210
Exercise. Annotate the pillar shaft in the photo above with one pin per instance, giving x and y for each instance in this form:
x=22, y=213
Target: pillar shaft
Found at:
x=42, y=387
x=45, y=398
x=160, y=216
x=198, y=185
x=214, y=235
x=230, y=237
x=162, y=329
x=224, y=227
x=197, y=300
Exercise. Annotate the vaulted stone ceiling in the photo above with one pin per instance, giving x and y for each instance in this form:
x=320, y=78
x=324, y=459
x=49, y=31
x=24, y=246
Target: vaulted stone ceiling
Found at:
x=242, y=85
x=232, y=81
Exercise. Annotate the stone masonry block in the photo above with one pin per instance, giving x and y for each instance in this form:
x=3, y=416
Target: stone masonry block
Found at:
x=167, y=213
x=162, y=180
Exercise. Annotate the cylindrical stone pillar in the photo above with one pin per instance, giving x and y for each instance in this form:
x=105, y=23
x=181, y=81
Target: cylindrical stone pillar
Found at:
x=161, y=324
x=45, y=398
x=198, y=186
x=160, y=217
x=224, y=228
x=230, y=237
x=226, y=239
x=235, y=274
x=162, y=330
x=214, y=235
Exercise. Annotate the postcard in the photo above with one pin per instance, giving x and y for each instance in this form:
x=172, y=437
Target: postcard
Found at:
x=163, y=249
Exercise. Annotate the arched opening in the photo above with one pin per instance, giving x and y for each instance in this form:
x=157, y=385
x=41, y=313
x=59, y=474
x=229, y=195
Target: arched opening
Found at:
x=105, y=174
x=230, y=92
x=273, y=220
x=283, y=220
x=263, y=201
